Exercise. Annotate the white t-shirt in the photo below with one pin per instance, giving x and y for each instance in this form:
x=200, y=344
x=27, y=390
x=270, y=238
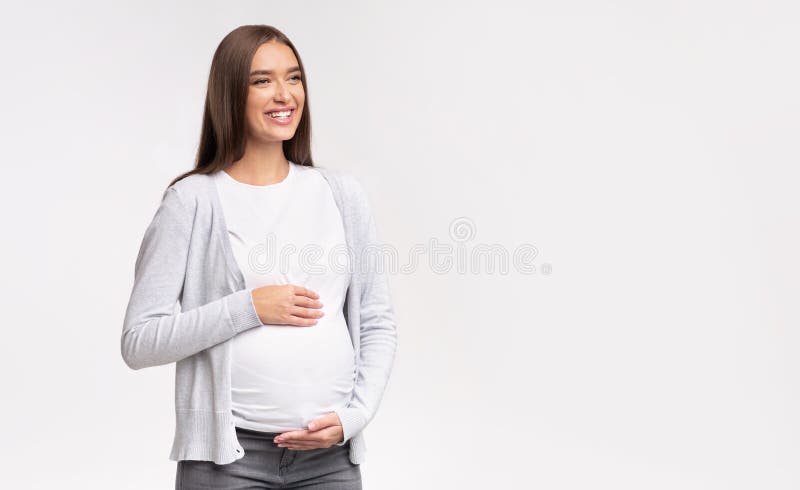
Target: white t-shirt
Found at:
x=285, y=376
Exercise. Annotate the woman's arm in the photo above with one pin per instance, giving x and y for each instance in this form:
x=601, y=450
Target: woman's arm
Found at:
x=152, y=334
x=378, y=339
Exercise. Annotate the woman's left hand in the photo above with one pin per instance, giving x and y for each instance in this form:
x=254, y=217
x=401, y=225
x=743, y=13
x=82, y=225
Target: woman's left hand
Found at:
x=322, y=433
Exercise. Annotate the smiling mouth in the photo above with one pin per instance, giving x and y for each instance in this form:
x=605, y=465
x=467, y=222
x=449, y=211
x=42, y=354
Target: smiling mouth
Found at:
x=281, y=115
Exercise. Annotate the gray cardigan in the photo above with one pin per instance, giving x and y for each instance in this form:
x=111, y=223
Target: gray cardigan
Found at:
x=185, y=256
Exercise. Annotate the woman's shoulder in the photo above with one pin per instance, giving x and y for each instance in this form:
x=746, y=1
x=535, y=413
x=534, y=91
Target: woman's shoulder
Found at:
x=196, y=184
x=342, y=182
x=193, y=184
x=351, y=197
x=191, y=190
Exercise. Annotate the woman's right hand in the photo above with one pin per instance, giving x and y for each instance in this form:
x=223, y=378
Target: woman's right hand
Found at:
x=287, y=305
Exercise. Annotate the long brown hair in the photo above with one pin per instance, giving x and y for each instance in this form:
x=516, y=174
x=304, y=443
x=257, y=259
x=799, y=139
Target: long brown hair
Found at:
x=223, y=135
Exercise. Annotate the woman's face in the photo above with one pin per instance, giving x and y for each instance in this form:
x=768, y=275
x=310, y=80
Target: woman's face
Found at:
x=275, y=86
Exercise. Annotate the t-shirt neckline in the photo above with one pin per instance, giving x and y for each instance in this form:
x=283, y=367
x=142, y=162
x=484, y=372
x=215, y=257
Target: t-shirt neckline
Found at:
x=275, y=185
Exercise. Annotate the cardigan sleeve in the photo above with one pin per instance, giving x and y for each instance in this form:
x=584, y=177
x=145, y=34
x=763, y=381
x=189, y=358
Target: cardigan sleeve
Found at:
x=378, y=333
x=152, y=333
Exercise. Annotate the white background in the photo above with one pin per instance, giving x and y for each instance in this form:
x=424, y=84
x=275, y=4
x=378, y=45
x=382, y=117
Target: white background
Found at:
x=647, y=149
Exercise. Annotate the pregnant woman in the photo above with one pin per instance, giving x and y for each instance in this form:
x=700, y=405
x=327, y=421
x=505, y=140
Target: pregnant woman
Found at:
x=285, y=337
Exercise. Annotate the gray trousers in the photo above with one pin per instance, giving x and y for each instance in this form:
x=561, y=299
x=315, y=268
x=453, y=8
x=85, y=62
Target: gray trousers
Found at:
x=267, y=466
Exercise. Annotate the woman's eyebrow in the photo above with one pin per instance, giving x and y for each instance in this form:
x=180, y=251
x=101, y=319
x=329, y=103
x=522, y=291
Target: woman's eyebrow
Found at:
x=270, y=72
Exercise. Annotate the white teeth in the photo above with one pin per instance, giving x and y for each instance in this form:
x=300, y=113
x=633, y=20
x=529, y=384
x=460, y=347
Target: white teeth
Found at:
x=280, y=114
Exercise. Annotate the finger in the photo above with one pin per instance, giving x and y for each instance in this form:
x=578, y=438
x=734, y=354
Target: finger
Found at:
x=298, y=448
x=306, y=301
x=294, y=442
x=304, y=436
x=303, y=445
x=306, y=312
x=291, y=434
x=322, y=422
x=318, y=437
x=302, y=291
x=302, y=322
x=330, y=419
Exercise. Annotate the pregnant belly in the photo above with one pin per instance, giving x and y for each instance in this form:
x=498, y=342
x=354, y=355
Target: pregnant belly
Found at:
x=283, y=377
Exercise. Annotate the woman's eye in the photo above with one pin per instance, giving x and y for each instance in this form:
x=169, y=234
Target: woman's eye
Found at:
x=261, y=80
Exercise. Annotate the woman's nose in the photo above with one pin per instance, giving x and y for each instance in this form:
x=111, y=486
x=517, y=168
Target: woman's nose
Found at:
x=282, y=93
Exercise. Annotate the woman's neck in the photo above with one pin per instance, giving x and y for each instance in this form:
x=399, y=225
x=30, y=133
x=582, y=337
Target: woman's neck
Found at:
x=261, y=165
